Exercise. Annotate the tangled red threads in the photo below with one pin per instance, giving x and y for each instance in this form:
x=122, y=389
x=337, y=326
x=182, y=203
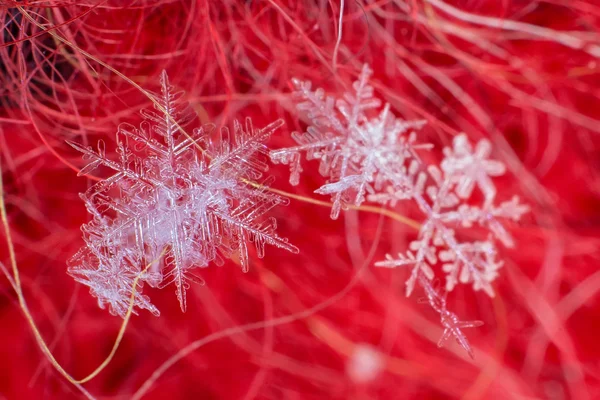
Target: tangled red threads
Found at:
x=323, y=323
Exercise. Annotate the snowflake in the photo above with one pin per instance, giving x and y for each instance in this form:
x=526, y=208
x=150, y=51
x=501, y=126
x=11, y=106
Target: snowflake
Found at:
x=440, y=195
x=175, y=202
x=358, y=155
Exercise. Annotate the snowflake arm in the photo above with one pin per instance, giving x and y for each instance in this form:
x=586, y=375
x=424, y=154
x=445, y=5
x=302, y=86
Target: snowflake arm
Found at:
x=452, y=325
x=170, y=115
x=418, y=267
x=354, y=104
x=239, y=155
x=245, y=224
x=489, y=217
x=471, y=167
x=470, y=262
x=111, y=279
x=453, y=328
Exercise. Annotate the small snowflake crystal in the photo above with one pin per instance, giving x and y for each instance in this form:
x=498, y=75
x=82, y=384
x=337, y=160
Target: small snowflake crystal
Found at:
x=175, y=202
x=359, y=155
x=440, y=195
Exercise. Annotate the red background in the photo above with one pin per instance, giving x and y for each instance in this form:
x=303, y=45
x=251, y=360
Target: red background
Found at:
x=535, y=99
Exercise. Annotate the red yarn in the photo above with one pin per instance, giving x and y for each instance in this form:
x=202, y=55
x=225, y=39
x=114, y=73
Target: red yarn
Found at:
x=523, y=74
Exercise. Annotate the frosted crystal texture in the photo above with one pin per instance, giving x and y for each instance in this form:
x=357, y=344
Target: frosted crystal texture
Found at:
x=357, y=154
x=175, y=202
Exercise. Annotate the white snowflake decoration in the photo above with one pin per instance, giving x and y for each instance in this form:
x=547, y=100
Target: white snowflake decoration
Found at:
x=175, y=202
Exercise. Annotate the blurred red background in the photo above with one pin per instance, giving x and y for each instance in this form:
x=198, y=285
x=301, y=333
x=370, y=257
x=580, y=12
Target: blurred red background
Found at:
x=524, y=74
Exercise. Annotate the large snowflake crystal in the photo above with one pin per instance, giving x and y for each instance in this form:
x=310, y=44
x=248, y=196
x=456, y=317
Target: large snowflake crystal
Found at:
x=359, y=155
x=441, y=195
x=175, y=202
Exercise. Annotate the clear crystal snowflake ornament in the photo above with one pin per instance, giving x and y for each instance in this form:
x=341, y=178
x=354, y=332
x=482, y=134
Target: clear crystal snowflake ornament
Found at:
x=377, y=160
x=175, y=202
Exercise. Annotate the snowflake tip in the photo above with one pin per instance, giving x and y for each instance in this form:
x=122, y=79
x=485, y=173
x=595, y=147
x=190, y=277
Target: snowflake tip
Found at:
x=453, y=327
